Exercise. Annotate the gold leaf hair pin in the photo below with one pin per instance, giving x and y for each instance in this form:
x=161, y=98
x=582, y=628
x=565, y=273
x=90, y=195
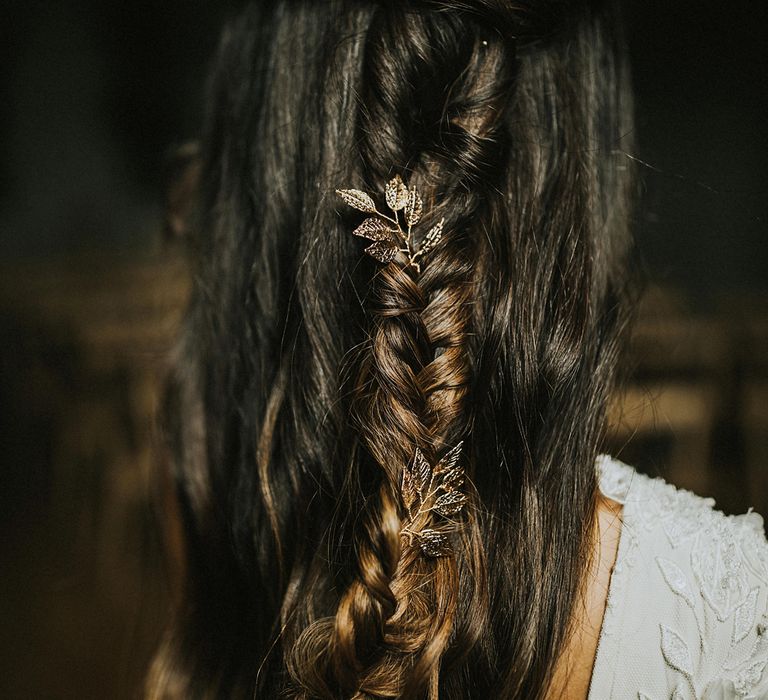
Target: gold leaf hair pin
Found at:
x=390, y=236
x=426, y=489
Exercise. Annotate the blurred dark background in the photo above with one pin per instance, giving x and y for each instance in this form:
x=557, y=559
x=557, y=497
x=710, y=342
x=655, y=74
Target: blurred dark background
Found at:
x=94, y=97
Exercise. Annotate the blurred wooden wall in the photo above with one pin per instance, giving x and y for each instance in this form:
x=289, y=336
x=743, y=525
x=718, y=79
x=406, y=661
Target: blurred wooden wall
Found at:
x=84, y=588
x=695, y=407
x=85, y=344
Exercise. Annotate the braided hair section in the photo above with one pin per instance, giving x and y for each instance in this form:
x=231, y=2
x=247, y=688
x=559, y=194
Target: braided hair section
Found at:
x=436, y=84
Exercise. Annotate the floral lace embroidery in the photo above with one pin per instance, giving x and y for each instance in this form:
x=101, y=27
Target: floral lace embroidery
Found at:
x=723, y=555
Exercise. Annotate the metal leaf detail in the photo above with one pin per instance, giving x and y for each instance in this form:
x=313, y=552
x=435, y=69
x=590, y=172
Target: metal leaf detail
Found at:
x=396, y=193
x=383, y=251
x=427, y=490
x=436, y=230
x=450, y=459
x=422, y=473
x=453, y=477
x=358, y=200
x=413, y=207
x=408, y=489
x=433, y=543
x=450, y=503
x=375, y=230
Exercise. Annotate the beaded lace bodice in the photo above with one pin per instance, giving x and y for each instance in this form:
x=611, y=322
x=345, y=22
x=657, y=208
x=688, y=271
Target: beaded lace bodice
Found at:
x=686, y=614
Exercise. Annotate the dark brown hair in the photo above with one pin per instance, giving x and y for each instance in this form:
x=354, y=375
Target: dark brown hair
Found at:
x=309, y=373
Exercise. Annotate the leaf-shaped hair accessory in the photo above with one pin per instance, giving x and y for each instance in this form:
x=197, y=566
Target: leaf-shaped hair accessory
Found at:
x=358, y=200
x=422, y=473
x=383, y=251
x=450, y=503
x=450, y=459
x=433, y=237
x=376, y=230
x=433, y=543
x=396, y=193
x=426, y=489
x=413, y=207
x=390, y=236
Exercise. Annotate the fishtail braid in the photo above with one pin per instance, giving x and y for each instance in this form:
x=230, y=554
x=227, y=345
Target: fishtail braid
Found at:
x=436, y=83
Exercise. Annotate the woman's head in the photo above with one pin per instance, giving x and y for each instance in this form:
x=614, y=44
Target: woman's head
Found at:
x=310, y=374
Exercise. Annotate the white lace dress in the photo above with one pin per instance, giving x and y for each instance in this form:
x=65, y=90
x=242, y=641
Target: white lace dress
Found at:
x=686, y=614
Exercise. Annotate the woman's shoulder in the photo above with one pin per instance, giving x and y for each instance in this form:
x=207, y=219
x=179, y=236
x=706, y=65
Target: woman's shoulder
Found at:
x=686, y=611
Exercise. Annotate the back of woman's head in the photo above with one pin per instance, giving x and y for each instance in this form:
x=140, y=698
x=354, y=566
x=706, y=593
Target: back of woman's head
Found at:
x=323, y=400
